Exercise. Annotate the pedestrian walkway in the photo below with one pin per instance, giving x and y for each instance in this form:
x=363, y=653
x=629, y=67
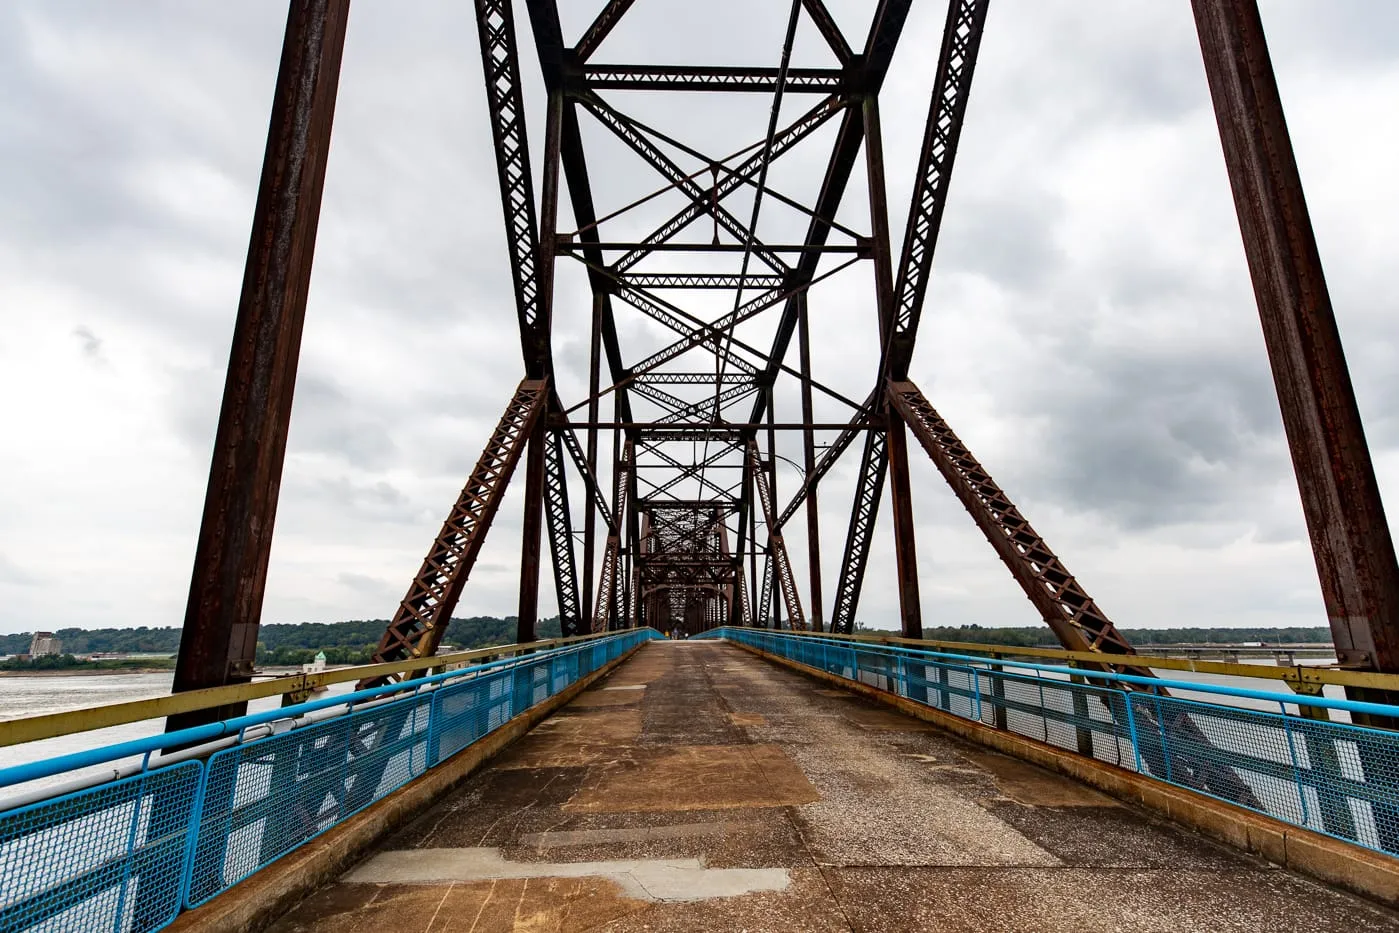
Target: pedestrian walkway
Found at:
x=701, y=788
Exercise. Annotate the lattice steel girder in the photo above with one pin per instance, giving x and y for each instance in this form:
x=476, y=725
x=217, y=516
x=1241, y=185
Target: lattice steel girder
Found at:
x=764, y=618
x=629, y=132
x=776, y=546
x=607, y=582
x=423, y=615
x=956, y=63
x=714, y=78
x=570, y=441
x=828, y=459
x=1055, y=593
x=734, y=179
x=874, y=463
x=559, y=523
x=713, y=405
x=505, y=105
x=665, y=313
x=698, y=280
x=884, y=34
x=725, y=449
x=604, y=23
x=689, y=379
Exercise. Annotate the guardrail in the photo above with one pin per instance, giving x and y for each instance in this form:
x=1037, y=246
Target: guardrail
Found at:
x=1330, y=777
x=127, y=855
x=1307, y=679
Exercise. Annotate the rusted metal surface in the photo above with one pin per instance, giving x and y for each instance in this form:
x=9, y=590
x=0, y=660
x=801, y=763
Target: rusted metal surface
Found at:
x=777, y=549
x=219, y=639
x=528, y=613
x=1061, y=601
x=1345, y=518
x=869, y=487
x=961, y=41
x=423, y=615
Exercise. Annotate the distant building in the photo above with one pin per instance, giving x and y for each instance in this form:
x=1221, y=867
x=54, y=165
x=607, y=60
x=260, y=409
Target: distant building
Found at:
x=44, y=643
x=316, y=666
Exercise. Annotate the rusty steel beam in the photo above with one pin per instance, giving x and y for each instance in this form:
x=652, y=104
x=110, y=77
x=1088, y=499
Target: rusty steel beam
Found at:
x=527, y=616
x=423, y=615
x=869, y=486
x=603, y=24
x=713, y=78
x=829, y=30
x=848, y=433
x=733, y=179
x=607, y=583
x=219, y=639
x=961, y=41
x=777, y=549
x=559, y=525
x=813, y=521
x=1063, y=604
x=885, y=30
x=1351, y=540
x=505, y=105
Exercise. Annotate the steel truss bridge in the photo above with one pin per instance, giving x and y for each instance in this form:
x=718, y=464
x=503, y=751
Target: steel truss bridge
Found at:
x=664, y=468
x=655, y=489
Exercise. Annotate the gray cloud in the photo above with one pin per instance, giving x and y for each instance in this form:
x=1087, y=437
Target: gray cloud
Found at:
x=1089, y=328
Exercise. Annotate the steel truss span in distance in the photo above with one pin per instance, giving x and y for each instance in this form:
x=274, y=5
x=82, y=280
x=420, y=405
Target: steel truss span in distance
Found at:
x=708, y=245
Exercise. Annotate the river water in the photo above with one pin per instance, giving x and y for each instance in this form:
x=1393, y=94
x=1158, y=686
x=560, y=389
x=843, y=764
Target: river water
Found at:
x=34, y=696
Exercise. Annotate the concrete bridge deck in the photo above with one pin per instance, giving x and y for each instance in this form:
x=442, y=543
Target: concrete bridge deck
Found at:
x=701, y=788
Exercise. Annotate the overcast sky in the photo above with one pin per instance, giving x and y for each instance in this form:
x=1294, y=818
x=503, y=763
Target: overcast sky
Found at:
x=1090, y=329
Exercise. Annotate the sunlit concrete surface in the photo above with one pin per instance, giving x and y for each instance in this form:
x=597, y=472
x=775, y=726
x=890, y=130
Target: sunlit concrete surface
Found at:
x=700, y=788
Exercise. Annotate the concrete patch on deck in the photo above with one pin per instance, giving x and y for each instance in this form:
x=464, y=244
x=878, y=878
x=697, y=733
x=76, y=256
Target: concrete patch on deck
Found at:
x=591, y=837
x=1035, y=787
x=630, y=695
x=639, y=879
x=695, y=777
x=581, y=738
x=539, y=905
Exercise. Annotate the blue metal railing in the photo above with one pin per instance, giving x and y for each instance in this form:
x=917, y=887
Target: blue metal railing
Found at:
x=127, y=855
x=1330, y=777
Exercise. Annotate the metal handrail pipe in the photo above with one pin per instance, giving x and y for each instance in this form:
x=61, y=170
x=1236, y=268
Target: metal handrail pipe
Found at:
x=1350, y=706
x=195, y=735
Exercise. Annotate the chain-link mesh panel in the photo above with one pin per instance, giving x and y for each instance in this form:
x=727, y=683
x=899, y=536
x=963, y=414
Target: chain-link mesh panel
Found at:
x=107, y=858
x=466, y=712
x=264, y=799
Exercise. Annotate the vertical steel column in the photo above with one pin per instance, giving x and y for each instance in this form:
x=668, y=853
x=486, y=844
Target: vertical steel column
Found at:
x=1351, y=540
x=905, y=552
x=219, y=639
x=900, y=489
x=590, y=517
x=527, y=623
x=813, y=526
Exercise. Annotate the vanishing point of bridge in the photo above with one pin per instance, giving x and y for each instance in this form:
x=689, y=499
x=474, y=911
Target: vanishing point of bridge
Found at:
x=763, y=768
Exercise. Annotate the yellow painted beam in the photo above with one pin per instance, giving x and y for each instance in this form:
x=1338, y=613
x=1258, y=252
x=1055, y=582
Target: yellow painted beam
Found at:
x=1302, y=678
x=33, y=728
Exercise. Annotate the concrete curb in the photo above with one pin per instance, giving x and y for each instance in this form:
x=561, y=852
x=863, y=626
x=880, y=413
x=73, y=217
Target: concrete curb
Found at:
x=1358, y=870
x=255, y=903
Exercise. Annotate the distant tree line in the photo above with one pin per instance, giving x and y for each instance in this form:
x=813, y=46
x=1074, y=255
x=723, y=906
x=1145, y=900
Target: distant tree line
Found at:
x=354, y=642
x=279, y=643
x=63, y=662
